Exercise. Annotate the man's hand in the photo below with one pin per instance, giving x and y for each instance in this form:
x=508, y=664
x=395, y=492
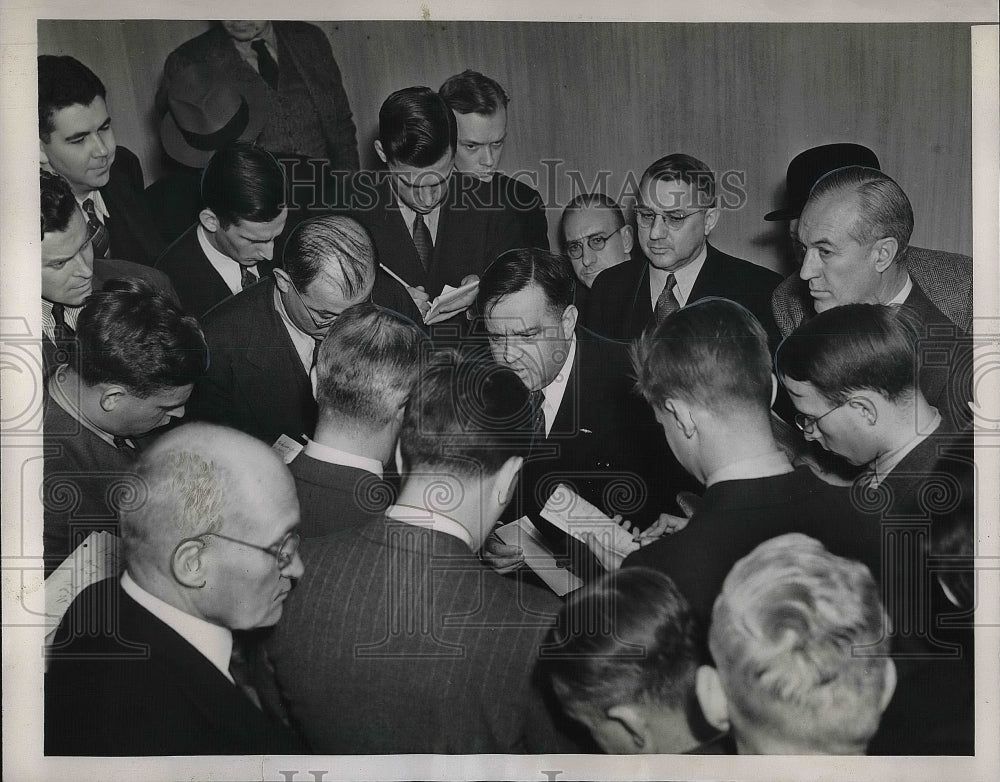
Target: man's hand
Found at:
x=420, y=298
x=667, y=524
x=501, y=557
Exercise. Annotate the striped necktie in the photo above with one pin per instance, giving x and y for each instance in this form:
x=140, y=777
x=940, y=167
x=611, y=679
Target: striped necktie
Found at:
x=247, y=277
x=98, y=231
x=422, y=241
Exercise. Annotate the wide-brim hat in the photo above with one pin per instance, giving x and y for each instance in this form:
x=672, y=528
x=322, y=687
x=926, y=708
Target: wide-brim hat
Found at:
x=207, y=111
x=808, y=167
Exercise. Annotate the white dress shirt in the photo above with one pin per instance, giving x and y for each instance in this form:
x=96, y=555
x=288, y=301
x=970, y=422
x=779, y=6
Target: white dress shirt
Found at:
x=231, y=271
x=70, y=314
x=421, y=517
x=331, y=455
x=100, y=208
x=554, y=392
x=685, y=276
x=213, y=642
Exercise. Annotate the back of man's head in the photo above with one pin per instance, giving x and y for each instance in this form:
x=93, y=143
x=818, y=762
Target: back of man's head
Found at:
x=465, y=417
x=58, y=204
x=883, y=210
x=331, y=245
x=130, y=334
x=515, y=270
x=63, y=81
x=243, y=182
x=368, y=363
x=854, y=348
x=800, y=641
x=470, y=92
x=416, y=128
x=627, y=642
x=687, y=169
x=712, y=353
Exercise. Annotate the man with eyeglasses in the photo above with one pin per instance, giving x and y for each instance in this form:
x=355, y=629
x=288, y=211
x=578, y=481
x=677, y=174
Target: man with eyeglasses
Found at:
x=706, y=372
x=69, y=270
x=850, y=373
x=595, y=237
x=264, y=341
x=148, y=663
x=676, y=211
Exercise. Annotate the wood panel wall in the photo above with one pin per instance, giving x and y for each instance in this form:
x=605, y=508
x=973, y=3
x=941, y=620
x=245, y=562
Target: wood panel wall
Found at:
x=591, y=98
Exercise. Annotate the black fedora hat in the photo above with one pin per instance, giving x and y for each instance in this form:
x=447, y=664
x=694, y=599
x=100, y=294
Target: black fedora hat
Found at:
x=206, y=112
x=807, y=167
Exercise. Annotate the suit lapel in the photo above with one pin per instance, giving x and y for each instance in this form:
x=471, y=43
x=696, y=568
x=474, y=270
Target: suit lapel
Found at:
x=401, y=254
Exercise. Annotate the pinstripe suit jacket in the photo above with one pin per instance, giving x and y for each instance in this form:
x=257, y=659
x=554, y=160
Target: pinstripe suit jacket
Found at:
x=399, y=640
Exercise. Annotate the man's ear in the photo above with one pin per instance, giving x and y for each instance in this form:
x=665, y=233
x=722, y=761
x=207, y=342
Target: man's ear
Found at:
x=683, y=419
x=187, y=565
x=43, y=157
x=381, y=152
x=208, y=220
x=569, y=318
x=506, y=481
x=111, y=397
x=282, y=280
x=884, y=251
x=888, y=685
x=628, y=238
x=711, y=218
x=711, y=697
x=774, y=388
x=634, y=721
x=866, y=407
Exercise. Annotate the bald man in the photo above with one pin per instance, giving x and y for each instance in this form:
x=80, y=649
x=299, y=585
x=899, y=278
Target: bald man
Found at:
x=144, y=664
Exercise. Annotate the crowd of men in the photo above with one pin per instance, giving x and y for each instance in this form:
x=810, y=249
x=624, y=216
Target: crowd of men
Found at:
x=305, y=419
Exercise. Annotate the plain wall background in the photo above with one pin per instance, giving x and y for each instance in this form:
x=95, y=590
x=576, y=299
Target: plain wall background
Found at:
x=592, y=97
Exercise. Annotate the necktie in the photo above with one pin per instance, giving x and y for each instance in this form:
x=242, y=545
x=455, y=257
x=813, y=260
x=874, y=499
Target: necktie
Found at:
x=247, y=277
x=667, y=303
x=313, y=373
x=98, y=232
x=239, y=669
x=422, y=241
x=62, y=330
x=266, y=66
x=537, y=413
x=122, y=444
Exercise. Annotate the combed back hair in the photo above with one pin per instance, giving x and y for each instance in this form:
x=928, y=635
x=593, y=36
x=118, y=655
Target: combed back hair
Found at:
x=469, y=92
x=416, y=127
x=132, y=335
x=465, y=417
x=686, y=169
x=593, y=201
x=57, y=201
x=243, y=182
x=368, y=363
x=629, y=638
x=854, y=348
x=883, y=208
x=337, y=246
x=712, y=353
x=515, y=270
x=63, y=81
x=800, y=640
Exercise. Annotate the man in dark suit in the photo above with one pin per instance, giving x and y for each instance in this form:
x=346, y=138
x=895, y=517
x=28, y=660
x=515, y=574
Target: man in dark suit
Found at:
x=77, y=142
x=232, y=245
x=480, y=107
x=431, y=226
x=850, y=373
x=592, y=433
x=263, y=341
x=133, y=364
x=946, y=278
x=69, y=270
x=292, y=66
x=398, y=639
x=854, y=231
x=595, y=237
x=676, y=212
x=367, y=365
x=144, y=664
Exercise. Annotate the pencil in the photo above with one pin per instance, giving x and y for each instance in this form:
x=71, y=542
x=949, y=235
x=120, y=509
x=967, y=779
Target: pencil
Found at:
x=395, y=276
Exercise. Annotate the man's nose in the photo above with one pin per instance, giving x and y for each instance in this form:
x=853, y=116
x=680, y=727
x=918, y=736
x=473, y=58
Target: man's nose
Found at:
x=658, y=230
x=295, y=568
x=488, y=158
x=589, y=257
x=100, y=149
x=810, y=265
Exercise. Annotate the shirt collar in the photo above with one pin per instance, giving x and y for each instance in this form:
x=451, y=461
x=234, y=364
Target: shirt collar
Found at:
x=554, y=392
x=99, y=206
x=763, y=466
x=428, y=519
x=685, y=276
x=245, y=48
x=230, y=270
x=215, y=643
x=885, y=463
x=904, y=292
x=70, y=314
x=331, y=455
x=64, y=398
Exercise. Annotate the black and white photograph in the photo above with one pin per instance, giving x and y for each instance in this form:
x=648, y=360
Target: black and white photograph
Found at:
x=544, y=393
